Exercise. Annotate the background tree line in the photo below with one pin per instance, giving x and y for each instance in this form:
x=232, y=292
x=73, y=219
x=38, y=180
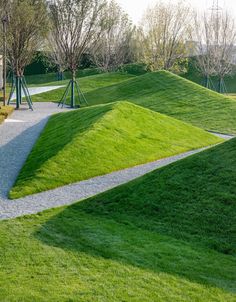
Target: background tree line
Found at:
x=70, y=34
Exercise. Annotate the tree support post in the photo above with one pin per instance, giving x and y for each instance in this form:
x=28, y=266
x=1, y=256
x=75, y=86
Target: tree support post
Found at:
x=77, y=97
x=19, y=85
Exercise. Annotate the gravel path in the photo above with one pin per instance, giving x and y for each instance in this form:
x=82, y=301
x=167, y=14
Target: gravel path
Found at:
x=17, y=137
x=38, y=90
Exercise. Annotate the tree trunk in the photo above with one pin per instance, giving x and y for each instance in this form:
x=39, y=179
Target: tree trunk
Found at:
x=221, y=85
x=207, y=81
x=18, y=92
x=72, y=103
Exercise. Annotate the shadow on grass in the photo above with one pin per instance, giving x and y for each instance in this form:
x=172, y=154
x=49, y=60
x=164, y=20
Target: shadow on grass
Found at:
x=75, y=230
x=60, y=131
x=178, y=220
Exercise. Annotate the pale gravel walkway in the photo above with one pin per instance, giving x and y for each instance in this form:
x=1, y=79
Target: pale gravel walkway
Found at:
x=17, y=137
x=38, y=90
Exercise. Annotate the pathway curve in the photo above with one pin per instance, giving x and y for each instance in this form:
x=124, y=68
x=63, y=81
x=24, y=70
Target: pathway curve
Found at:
x=17, y=137
x=38, y=90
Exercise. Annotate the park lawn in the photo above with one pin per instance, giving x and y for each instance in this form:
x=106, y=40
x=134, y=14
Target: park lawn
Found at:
x=172, y=95
x=233, y=96
x=5, y=111
x=97, y=140
x=167, y=236
x=51, y=78
x=230, y=81
x=86, y=83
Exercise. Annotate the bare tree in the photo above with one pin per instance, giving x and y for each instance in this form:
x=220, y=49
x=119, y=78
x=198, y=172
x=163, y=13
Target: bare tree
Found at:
x=113, y=47
x=74, y=26
x=204, y=37
x=164, y=31
x=223, y=46
x=27, y=24
x=215, y=37
x=55, y=54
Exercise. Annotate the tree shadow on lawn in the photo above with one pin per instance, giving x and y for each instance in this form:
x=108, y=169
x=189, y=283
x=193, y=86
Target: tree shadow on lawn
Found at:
x=75, y=230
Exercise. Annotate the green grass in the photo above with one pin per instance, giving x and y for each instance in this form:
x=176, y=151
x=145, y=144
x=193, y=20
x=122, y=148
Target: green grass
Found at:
x=48, y=78
x=168, y=236
x=233, y=96
x=5, y=111
x=230, y=81
x=87, y=83
x=172, y=95
x=97, y=140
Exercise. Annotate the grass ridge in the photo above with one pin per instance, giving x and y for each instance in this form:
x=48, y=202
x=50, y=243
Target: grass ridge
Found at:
x=124, y=135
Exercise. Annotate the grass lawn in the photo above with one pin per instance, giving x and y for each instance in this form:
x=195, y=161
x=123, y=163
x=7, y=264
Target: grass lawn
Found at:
x=97, y=140
x=51, y=78
x=5, y=111
x=232, y=95
x=172, y=95
x=230, y=81
x=87, y=83
x=167, y=236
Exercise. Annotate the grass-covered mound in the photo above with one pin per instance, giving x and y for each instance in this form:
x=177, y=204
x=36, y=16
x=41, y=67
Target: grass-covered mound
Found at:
x=164, y=237
x=170, y=94
x=5, y=111
x=97, y=140
x=193, y=199
x=87, y=83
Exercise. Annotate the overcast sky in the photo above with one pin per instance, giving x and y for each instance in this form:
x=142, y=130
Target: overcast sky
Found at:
x=135, y=8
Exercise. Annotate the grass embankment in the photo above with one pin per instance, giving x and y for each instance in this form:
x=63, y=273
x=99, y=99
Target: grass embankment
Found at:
x=5, y=111
x=86, y=83
x=172, y=95
x=97, y=140
x=168, y=236
x=230, y=81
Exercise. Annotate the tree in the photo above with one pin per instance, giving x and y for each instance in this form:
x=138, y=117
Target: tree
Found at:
x=74, y=26
x=27, y=25
x=164, y=31
x=215, y=36
x=224, y=33
x=204, y=37
x=55, y=54
x=113, y=47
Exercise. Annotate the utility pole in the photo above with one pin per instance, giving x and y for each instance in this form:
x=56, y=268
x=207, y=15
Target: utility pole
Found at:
x=4, y=24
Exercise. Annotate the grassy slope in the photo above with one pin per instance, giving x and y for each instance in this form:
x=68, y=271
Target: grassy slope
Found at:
x=97, y=140
x=172, y=95
x=48, y=78
x=193, y=199
x=230, y=81
x=87, y=83
x=163, y=237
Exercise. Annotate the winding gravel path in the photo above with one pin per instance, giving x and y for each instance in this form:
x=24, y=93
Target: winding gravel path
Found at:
x=38, y=90
x=17, y=137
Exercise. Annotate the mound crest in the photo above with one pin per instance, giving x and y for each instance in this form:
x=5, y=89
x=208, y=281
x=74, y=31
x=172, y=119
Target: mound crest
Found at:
x=170, y=94
x=95, y=141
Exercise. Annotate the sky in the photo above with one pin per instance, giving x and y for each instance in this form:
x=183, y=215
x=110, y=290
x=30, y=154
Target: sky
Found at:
x=135, y=8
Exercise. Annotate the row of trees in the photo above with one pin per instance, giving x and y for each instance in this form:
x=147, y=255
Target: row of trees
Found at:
x=67, y=29
x=216, y=38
